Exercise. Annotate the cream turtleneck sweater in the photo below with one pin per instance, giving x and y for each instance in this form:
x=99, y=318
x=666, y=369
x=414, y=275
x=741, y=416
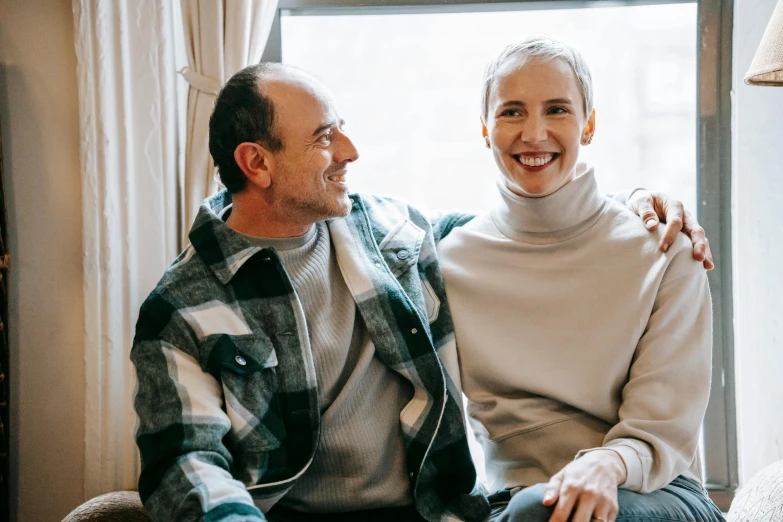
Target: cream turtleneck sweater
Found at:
x=575, y=333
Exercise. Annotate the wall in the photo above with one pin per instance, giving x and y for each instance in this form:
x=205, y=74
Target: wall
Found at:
x=40, y=127
x=757, y=142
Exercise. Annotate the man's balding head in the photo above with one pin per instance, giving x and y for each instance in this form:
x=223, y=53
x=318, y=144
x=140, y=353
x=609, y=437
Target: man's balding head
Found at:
x=245, y=112
x=278, y=142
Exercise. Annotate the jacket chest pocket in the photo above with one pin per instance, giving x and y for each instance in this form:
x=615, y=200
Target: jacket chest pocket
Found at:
x=401, y=249
x=247, y=367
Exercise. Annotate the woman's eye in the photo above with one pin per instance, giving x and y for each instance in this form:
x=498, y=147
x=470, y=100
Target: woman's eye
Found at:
x=510, y=112
x=325, y=138
x=557, y=110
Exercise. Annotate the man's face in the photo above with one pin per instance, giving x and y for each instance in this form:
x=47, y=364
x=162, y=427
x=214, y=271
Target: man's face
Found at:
x=535, y=122
x=309, y=174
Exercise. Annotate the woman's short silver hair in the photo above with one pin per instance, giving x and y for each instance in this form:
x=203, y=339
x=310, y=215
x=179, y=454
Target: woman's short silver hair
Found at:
x=540, y=48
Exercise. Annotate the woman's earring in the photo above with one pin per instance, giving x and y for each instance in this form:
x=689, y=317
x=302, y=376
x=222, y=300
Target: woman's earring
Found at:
x=486, y=140
x=587, y=140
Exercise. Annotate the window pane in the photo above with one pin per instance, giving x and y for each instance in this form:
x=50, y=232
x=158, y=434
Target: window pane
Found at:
x=409, y=85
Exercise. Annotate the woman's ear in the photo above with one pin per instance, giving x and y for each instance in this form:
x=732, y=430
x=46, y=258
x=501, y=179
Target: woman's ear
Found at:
x=256, y=163
x=485, y=132
x=589, y=130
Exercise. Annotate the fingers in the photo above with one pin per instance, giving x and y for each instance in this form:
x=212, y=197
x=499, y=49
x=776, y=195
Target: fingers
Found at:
x=612, y=514
x=673, y=215
x=678, y=219
x=709, y=264
x=565, y=504
x=552, y=490
x=586, y=507
x=643, y=206
x=605, y=509
x=701, y=245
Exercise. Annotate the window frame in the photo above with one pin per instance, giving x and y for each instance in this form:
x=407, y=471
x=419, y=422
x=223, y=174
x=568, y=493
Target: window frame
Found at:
x=714, y=59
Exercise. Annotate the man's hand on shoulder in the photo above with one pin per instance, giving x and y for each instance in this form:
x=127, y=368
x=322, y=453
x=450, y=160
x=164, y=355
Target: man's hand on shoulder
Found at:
x=656, y=207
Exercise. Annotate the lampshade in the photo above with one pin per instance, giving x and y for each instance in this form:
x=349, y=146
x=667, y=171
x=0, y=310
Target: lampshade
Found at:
x=767, y=65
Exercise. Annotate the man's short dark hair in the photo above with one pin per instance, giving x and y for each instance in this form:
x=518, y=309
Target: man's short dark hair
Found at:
x=242, y=113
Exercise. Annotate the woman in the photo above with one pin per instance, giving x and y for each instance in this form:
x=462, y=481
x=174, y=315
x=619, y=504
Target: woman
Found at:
x=584, y=350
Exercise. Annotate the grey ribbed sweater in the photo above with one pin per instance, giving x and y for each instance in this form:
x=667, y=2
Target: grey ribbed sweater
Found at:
x=360, y=461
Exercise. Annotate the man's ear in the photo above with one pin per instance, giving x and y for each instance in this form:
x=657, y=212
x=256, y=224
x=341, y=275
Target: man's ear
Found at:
x=256, y=162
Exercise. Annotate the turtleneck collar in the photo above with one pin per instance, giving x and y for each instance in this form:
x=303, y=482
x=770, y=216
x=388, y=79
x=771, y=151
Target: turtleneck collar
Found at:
x=566, y=213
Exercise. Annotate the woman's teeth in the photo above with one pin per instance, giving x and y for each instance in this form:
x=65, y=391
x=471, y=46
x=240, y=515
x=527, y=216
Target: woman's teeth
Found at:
x=535, y=162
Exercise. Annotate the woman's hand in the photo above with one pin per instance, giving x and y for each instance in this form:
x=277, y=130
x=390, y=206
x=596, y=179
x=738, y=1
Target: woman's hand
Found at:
x=653, y=207
x=587, y=487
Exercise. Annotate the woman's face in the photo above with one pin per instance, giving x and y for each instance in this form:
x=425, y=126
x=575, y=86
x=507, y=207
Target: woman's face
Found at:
x=535, y=123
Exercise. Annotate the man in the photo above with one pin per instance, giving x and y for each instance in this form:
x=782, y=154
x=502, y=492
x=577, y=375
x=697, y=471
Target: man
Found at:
x=298, y=359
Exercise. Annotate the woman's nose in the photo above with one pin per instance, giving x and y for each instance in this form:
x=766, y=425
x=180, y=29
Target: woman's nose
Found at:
x=533, y=130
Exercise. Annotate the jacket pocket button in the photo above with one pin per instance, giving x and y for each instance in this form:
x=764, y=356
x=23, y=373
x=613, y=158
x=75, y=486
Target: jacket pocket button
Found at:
x=240, y=360
x=403, y=254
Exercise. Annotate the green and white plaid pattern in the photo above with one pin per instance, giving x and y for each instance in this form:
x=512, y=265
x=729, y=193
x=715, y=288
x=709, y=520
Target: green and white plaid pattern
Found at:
x=227, y=399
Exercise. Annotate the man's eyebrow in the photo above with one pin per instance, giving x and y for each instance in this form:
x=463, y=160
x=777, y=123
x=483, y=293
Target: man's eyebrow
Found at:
x=327, y=125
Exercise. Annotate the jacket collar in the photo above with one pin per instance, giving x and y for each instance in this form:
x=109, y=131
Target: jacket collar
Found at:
x=223, y=250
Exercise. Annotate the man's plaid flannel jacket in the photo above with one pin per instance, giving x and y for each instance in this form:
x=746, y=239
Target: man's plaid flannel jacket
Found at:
x=227, y=396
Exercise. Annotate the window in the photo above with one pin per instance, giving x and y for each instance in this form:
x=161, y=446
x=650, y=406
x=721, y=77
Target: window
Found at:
x=407, y=77
x=432, y=152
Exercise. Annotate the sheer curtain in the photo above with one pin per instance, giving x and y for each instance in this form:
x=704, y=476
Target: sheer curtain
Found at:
x=132, y=228
x=221, y=38
x=128, y=139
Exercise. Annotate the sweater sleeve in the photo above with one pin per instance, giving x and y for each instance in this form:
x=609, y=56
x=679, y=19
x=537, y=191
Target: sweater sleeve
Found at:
x=665, y=398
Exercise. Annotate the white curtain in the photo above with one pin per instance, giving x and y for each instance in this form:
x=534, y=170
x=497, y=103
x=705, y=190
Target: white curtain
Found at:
x=221, y=38
x=128, y=136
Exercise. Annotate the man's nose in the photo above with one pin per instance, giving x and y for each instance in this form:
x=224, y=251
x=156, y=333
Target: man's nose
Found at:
x=346, y=150
x=533, y=130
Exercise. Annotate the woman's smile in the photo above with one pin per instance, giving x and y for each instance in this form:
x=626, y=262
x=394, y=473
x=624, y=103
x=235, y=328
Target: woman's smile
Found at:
x=534, y=162
x=536, y=120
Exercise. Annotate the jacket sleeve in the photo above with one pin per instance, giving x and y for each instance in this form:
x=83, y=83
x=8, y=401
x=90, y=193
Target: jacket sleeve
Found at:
x=444, y=222
x=665, y=398
x=185, y=467
x=623, y=197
